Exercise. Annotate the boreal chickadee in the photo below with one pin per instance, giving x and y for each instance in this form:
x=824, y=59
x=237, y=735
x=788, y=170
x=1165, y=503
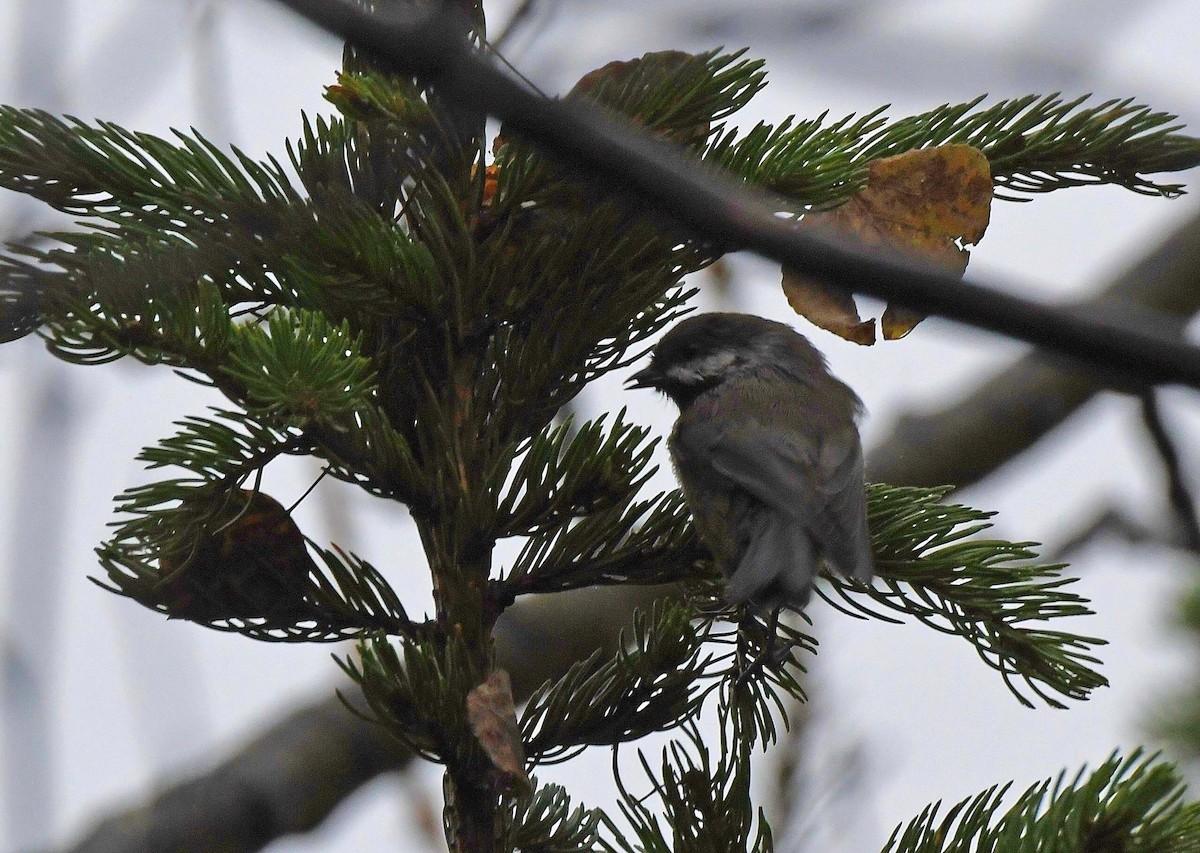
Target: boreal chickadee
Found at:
x=767, y=451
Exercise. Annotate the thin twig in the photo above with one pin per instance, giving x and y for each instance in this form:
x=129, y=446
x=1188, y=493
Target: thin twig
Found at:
x=514, y=23
x=1112, y=522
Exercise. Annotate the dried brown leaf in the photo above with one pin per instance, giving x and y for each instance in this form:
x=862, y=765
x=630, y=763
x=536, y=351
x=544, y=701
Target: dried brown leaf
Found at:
x=930, y=202
x=493, y=720
x=831, y=308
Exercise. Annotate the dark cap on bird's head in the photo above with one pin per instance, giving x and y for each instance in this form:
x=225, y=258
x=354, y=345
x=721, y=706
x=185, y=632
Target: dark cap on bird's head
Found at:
x=703, y=351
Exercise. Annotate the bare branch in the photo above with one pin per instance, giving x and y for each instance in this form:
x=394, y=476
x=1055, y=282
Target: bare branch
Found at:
x=1112, y=521
x=293, y=775
x=286, y=780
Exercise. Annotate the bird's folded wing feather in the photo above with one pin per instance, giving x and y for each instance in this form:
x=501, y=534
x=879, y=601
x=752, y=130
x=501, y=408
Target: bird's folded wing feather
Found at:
x=819, y=484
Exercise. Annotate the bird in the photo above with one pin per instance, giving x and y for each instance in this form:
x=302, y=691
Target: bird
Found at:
x=767, y=452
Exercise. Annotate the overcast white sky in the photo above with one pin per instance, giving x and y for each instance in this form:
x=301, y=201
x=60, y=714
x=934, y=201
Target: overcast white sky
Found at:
x=134, y=699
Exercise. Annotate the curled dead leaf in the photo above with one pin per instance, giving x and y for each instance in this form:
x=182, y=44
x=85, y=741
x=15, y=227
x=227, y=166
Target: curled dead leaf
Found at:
x=897, y=322
x=828, y=307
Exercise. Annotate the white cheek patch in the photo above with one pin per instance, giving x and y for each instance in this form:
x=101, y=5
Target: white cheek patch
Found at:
x=702, y=369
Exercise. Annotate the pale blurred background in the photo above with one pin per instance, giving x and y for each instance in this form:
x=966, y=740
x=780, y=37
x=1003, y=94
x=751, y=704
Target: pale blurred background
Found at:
x=103, y=702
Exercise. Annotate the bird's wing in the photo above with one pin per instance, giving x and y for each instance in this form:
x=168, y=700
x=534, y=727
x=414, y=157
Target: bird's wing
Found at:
x=817, y=483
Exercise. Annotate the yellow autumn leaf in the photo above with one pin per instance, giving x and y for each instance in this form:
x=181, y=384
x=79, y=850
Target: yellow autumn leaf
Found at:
x=830, y=308
x=932, y=202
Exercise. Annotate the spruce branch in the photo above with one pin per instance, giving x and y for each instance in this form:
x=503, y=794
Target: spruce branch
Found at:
x=417, y=692
x=187, y=327
x=335, y=154
x=104, y=171
x=577, y=306
x=233, y=560
x=21, y=293
x=112, y=267
x=647, y=687
x=643, y=541
x=1131, y=803
x=200, y=548
x=367, y=451
x=1034, y=144
x=931, y=567
x=181, y=213
x=992, y=593
x=418, y=320
x=556, y=481
x=545, y=821
x=225, y=450
x=710, y=203
x=300, y=366
x=676, y=94
x=705, y=797
x=1038, y=144
x=353, y=594
x=761, y=666
x=807, y=160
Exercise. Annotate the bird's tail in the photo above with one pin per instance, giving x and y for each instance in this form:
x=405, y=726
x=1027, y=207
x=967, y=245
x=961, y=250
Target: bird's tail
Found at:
x=778, y=567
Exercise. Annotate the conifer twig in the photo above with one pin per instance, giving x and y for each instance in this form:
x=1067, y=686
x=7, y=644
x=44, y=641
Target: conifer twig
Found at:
x=1127, y=803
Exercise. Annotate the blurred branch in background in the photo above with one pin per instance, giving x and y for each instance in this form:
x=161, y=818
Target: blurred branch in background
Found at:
x=1179, y=529
x=1007, y=414
x=297, y=771
x=141, y=42
x=286, y=780
x=1182, y=504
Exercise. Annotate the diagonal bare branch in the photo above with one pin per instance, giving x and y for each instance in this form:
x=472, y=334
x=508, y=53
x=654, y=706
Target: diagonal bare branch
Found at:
x=427, y=42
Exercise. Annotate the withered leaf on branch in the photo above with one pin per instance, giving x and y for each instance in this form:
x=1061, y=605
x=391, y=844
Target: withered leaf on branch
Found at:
x=831, y=308
x=930, y=202
x=493, y=720
x=252, y=563
x=621, y=79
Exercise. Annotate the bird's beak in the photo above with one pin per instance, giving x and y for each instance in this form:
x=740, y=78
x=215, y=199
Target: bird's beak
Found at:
x=647, y=377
